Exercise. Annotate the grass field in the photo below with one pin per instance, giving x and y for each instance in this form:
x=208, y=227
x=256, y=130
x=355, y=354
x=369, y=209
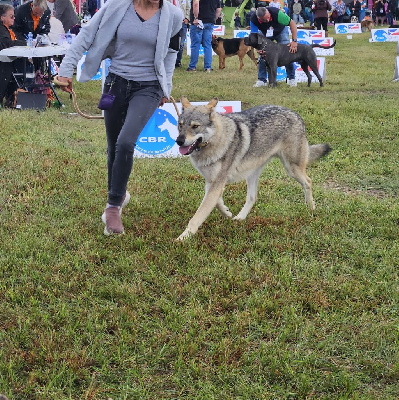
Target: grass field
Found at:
x=286, y=305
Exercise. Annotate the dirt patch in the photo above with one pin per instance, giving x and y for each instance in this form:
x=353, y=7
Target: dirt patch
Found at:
x=332, y=185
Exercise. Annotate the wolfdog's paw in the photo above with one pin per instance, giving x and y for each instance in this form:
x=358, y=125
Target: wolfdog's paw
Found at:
x=239, y=217
x=226, y=213
x=185, y=235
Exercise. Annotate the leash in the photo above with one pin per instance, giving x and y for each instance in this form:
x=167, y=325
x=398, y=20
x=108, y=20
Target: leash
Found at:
x=82, y=114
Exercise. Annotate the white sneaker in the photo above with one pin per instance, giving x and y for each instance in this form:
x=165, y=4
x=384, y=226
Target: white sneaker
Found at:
x=260, y=83
x=292, y=83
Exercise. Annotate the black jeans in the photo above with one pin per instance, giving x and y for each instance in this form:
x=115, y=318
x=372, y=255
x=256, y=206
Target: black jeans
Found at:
x=134, y=104
x=320, y=23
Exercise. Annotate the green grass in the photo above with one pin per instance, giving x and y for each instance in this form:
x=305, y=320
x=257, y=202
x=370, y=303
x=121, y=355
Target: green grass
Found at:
x=286, y=305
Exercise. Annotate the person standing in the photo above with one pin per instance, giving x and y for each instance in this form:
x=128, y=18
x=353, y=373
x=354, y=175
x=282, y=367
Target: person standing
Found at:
x=362, y=11
x=203, y=15
x=33, y=16
x=65, y=12
x=309, y=11
x=298, y=12
x=275, y=3
x=340, y=7
x=379, y=12
x=270, y=17
x=185, y=7
x=7, y=39
x=142, y=38
x=321, y=15
x=391, y=12
x=354, y=7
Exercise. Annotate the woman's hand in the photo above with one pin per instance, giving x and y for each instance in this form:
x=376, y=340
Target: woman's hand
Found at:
x=163, y=101
x=65, y=83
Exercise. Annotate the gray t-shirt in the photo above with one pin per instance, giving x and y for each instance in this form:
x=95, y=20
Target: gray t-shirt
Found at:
x=135, y=47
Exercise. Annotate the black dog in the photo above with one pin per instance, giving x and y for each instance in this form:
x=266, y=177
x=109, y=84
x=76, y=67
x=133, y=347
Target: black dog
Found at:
x=277, y=55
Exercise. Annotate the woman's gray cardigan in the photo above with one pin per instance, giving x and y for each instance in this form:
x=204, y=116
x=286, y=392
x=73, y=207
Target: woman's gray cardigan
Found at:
x=98, y=39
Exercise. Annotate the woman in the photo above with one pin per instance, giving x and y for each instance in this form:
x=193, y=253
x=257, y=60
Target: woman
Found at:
x=320, y=14
x=354, y=7
x=7, y=39
x=362, y=12
x=142, y=39
x=380, y=12
x=340, y=7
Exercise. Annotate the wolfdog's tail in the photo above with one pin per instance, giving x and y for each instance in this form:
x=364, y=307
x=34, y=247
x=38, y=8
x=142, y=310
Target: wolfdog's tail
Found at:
x=318, y=150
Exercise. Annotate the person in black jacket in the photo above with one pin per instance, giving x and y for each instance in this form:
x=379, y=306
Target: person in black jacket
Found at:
x=33, y=16
x=7, y=39
x=354, y=7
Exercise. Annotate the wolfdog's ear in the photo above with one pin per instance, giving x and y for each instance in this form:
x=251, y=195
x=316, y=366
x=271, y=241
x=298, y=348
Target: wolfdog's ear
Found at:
x=260, y=39
x=185, y=103
x=212, y=103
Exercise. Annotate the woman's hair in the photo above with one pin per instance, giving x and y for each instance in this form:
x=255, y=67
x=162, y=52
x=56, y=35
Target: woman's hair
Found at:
x=42, y=4
x=4, y=8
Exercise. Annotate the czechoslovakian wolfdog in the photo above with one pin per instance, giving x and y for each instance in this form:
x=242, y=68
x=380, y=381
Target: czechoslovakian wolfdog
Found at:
x=227, y=148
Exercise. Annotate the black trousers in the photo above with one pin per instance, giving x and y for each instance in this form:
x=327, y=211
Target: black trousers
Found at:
x=7, y=83
x=321, y=23
x=134, y=104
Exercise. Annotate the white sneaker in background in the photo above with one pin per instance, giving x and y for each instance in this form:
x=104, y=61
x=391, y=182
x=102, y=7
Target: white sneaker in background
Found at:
x=292, y=83
x=260, y=83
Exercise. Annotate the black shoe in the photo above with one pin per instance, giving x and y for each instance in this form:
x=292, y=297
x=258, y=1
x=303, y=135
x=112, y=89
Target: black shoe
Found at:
x=178, y=65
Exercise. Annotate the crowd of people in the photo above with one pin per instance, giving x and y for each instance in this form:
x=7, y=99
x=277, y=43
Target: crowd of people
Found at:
x=336, y=11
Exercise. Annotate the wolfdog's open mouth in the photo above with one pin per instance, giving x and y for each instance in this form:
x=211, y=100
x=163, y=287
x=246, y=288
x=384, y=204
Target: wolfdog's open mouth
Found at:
x=186, y=150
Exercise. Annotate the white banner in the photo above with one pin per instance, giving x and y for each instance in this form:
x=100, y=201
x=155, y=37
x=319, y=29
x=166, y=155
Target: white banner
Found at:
x=348, y=29
x=385, y=35
x=99, y=75
x=241, y=33
x=310, y=34
x=300, y=76
x=328, y=41
x=218, y=30
x=396, y=73
x=158, y=137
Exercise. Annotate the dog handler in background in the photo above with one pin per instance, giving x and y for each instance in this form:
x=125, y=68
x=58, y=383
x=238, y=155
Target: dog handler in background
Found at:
x=265, y=18
x=142, y=39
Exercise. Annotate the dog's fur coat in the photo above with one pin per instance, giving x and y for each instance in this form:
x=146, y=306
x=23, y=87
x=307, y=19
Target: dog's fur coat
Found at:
x=230, y=47
x=367, y=25
x=277, y=55
x=227, y=148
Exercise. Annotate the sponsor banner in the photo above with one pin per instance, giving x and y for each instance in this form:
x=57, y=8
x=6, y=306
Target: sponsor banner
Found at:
x=218, y=30
x=385, y=35
x=188, y=47
x=348, y=28
x=328, y=41
x=306, y=40
x=396, y=73
x=158, y=137
x=300, y=75
x=305, y=33
x=241, y=33
x=99, y=75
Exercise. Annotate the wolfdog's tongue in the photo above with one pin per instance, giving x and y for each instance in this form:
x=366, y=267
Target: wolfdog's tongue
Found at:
x=185, y=150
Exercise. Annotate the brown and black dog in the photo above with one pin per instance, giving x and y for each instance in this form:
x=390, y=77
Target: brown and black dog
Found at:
x=230, y=47
x=367, y=25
